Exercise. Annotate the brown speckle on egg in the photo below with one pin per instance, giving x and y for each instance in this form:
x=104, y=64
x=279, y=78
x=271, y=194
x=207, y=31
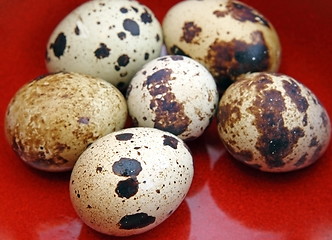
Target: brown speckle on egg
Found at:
x=167, y=110
x=190, y=31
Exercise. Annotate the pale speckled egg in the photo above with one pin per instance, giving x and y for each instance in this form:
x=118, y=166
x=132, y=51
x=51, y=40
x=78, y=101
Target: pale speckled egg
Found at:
x=273, y=122
x=107, y=39
x=228, y=37
x=173, y=93
x=51, y=120
x=130, y=181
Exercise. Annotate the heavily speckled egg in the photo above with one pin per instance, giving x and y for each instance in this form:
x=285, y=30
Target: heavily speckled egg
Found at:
x=107, y=39
x=130, y=181
x=273, y=122
x=228, y=37
x=52, y=119
x=173, y=93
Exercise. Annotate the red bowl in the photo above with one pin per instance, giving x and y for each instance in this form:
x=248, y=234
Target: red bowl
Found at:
x=227, y=200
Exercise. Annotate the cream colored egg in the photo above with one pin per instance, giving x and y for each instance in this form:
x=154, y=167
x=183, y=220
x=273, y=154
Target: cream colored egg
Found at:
x=228, y=37
x=273, y=122
x=130, y=181
x=175, y=94
x=51, y=120
x=109, y=39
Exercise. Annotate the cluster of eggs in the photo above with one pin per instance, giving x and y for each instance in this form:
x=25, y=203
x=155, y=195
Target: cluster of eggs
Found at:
x=105, y=62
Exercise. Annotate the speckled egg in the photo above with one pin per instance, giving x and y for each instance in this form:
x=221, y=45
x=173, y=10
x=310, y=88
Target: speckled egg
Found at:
x=107, y=39
x=130, y=181
x=273, y=122
x=228, y=37
x=173, y=93
x=51, y=120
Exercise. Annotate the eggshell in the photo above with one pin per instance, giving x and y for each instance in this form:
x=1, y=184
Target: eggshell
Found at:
x=107, y=39
x=228, y=37
x=52, y=119
x=273, y=122
x=130, y=181
x=175, y=94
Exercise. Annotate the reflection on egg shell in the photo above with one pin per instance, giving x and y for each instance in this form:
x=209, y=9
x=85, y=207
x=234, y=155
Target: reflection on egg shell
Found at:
x=130, y=181
x=107, y=39
x=173, y=93
x=273, y=122
x=228, y=37
x=51, y=120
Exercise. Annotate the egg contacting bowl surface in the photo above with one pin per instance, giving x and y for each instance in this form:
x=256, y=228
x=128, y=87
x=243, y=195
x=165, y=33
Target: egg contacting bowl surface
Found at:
x=227, y=200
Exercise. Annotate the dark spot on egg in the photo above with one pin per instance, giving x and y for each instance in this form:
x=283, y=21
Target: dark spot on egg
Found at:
x=123, y=10
x=135, y=221
x=134, y=8
x=244, y=13
x=126, y=167
x=146, y=56
x=228, y=60
x=102, y=52
x=131, y=26
x=170, y=115
x=127, y=188
x=99, y=169
x=301, y=161
x=123, y=60
x=275, y=141
x=59, y=45
x=121, y=35
x=220, y=14
x=190, y=30
x=124, y=136
x=228, y=115
x=157, y=37
x=170, y=141
x=146, y=17
x=325, y=119
x=294, y=92
x=77, y=30
x=313, y=142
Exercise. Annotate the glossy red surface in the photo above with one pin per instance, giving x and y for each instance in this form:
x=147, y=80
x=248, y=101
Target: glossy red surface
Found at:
x=227, y=200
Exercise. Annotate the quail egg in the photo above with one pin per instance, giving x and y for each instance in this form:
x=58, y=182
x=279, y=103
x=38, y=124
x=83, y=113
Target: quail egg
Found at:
x=107, y=39
x=273, y=122
x=52, y=119
x=228, y=37
x=130, y=181
x=173, y=93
